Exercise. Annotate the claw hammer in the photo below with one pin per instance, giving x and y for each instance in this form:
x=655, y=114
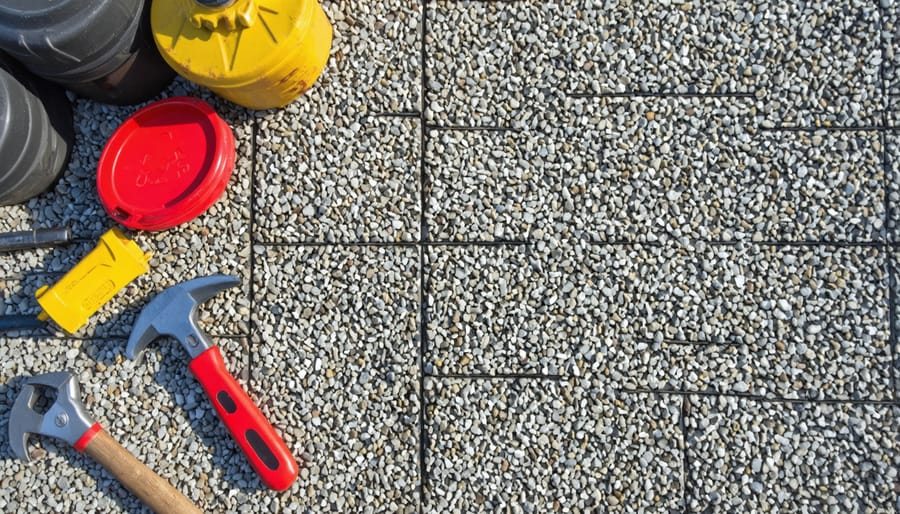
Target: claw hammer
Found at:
x=66, y=419
x=174, y=313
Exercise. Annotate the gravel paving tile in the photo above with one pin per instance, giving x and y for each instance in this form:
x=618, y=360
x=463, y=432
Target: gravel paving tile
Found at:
x=820, y=186
x=808, y=322
x=746, y=369
x=554, y=310
x=544, y=446
x=801, y=322
x=654, y=169
x=892, y=166
x=487, y=186
x=895, y=298
x=890, y=39
x=374, y=65
x=489, y=63
x=639, y=169
x=893, y=111
x=503, y=63
x=648, y=46
x=190, y=446
x=340, y=181
x=337, y=353
x=650, y=169
x=746, y=455
x=820, y=63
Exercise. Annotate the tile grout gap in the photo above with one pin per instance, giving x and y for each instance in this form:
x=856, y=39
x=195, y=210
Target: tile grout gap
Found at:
x=761, y=399
x=886, y=226
x=251, y=228
x=686, y=492
x=423, y=237
x=887, y=180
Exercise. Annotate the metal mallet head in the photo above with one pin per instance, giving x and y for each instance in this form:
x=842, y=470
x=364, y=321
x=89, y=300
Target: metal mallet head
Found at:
x=174, y=313
x=65, y=419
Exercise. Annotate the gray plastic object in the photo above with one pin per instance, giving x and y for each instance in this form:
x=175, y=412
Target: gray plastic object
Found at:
x=36, y=133
x=100, y=49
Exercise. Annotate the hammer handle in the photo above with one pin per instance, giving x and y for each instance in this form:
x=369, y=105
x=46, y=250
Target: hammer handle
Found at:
x=261, y=444
x=151, y=488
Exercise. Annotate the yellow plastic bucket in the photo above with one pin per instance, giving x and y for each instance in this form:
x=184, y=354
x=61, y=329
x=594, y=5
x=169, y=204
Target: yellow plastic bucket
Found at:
x=259, y=54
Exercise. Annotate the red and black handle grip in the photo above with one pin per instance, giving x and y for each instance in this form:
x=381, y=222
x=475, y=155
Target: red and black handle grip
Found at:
x=264, y=448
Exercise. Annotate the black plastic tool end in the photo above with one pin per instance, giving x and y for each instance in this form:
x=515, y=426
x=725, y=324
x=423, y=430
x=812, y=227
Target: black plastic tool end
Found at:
x=38, y=238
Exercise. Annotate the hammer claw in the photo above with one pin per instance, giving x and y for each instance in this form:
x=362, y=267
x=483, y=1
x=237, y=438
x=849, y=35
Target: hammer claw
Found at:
x=65, y=418
x=24, y=422
x=174, y=313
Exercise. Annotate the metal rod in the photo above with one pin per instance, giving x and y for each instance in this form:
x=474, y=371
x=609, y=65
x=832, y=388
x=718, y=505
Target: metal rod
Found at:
x=20, y=322
x=37, y=238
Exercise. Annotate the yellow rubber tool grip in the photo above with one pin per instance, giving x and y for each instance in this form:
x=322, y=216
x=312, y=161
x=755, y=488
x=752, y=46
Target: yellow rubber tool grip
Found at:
x=111, y=266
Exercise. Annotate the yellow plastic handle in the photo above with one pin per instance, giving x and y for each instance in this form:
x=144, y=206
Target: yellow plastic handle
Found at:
x=111, y=266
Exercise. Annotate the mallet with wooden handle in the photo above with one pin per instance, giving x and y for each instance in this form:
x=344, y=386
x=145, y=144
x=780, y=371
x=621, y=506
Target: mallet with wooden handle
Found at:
x=67, y=419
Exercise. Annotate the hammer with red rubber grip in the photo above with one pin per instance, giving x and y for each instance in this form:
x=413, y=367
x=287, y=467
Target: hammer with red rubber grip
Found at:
x=263, y=447
x=174, y=313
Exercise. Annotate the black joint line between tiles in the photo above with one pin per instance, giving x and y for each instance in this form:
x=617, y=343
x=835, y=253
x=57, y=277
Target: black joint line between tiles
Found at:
x=686, y=489
x=504, y=243
x=499, y=376
x=472, y=128
x=336, y=244
x=800, y=244
x=892, y=326
x=251, y=347
x=887, y=182
x=858, y=128
x=761, y=399
x=658, y=94
x=423, y=237
x=402, y=114
x=686, y=342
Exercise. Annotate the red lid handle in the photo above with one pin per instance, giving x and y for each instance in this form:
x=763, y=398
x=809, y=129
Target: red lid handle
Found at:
x=263, y=447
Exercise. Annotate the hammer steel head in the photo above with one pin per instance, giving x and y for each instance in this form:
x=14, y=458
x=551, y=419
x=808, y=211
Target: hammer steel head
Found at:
x=66, y=418
x=174, y=313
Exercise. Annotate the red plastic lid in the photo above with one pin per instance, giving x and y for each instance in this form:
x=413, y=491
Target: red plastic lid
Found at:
x=166, y=164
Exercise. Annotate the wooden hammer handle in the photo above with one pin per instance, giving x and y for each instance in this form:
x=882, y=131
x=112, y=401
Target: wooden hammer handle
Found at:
x=151, y=488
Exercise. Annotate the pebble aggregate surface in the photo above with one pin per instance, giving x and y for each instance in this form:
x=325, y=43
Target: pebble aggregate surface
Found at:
x=587, y=256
